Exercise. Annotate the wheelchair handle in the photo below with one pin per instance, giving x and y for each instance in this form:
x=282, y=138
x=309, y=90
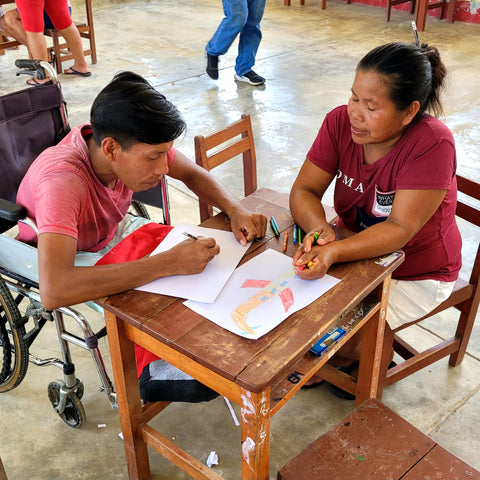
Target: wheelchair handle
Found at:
x=41, y=66
x=27, y=63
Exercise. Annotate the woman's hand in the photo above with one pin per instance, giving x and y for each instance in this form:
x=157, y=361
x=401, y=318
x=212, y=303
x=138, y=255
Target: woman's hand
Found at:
x=313, y=258
x=315, y=263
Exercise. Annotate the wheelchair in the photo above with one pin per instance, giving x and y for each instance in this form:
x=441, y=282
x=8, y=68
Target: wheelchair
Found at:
x=41, y=112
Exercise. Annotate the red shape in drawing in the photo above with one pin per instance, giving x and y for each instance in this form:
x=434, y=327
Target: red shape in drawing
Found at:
x=255, y=283
x=287, y=298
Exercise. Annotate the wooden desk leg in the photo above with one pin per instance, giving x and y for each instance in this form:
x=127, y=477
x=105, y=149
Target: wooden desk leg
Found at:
x=128, y=397
x=371, y=353
x=255, y=435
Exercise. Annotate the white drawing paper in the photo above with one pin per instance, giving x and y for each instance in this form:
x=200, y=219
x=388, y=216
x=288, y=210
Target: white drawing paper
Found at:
x=204, y=286
x=261, y=294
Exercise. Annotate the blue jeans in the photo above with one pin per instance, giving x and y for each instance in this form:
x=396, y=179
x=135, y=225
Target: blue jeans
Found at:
x=241, y=17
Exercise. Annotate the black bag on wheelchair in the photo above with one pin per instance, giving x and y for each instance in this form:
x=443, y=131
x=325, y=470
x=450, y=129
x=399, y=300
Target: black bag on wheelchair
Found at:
x=31, y=120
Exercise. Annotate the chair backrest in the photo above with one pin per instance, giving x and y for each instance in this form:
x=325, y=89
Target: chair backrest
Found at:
x=156, y=197
x=234, y=140
x=471, y=213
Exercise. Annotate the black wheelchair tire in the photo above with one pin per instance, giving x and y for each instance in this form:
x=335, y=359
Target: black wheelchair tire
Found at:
x=74, y=414
x=14, y=356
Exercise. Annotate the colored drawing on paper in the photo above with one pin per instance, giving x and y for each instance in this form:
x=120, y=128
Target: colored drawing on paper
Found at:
x=270, y=289
x=260, y=295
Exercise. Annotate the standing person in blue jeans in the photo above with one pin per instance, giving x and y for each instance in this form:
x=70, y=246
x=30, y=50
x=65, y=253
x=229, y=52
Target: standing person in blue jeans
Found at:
x=241, y=17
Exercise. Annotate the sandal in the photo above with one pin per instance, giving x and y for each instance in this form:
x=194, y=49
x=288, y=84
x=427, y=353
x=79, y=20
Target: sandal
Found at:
x=35, y=82
x=76, y=72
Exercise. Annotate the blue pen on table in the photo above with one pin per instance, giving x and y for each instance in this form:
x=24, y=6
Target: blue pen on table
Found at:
x=189, y=235
x=295, y=234
x=274, y=226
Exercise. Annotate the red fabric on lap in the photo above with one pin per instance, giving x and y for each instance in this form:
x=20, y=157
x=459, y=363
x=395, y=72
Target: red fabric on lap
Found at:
x=138, y=244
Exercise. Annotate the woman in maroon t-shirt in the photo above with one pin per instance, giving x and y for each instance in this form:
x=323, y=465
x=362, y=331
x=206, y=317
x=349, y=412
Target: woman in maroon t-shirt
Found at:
x=394, y=172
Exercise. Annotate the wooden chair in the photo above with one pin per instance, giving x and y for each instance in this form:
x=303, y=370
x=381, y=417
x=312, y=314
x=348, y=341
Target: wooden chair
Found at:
x=422, y=7
x=234, y=140
x=465, y=298
x=60, y=47
x=391, y=3
x=374, y=442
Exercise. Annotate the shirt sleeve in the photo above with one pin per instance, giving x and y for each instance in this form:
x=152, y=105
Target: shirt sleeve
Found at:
x=58, y=203
x=431, y=163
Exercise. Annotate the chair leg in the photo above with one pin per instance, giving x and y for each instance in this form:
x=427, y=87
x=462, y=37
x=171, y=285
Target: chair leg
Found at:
x=57, y=52
x=451, y=11
x=389, y=8
x=464, y=330
x=91, y=31
x=421, y=8
x=386, y=358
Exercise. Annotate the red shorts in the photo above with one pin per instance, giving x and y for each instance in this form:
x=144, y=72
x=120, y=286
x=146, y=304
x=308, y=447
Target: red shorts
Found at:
x=31, y=13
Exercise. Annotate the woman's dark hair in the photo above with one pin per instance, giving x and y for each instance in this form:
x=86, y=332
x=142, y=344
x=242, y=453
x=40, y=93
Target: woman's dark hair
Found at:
x=414, y=73
x=130, y=110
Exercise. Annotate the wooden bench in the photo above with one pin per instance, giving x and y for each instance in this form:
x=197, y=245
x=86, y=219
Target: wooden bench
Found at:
x=373, y=442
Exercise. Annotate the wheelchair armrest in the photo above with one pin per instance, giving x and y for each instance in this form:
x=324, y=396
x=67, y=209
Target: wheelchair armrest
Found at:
x=11, y=211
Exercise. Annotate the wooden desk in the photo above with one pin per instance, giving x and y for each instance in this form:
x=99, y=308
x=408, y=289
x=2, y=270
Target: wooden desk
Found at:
x=259, y=375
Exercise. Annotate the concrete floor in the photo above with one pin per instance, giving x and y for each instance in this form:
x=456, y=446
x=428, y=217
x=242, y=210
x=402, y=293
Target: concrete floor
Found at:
x=308, y=57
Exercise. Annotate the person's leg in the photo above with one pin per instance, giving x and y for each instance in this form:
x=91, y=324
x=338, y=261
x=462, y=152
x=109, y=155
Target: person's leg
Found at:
x=236, y=12
x=161, y=381
x=59, y=13
x=250, y=37
x=12, y=24
x=31, y=14
x=72, y=36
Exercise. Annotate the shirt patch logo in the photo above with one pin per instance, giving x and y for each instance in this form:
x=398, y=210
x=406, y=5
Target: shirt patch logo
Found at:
x=383, y=203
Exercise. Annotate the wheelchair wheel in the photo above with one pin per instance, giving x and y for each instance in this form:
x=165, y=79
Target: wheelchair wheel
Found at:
x=74, y=414
x=14, y=356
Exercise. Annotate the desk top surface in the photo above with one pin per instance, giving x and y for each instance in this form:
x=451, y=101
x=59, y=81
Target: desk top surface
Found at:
x=250, y=363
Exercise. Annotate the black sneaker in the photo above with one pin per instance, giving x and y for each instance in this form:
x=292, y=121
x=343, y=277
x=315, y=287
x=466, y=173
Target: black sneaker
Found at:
x=250, y=77
x=212, y=66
